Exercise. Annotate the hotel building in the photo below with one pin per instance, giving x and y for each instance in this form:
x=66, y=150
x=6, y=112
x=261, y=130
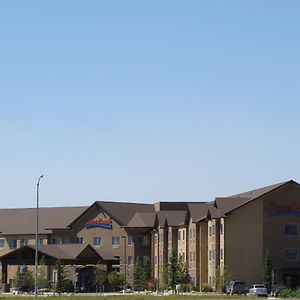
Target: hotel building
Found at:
x=230, y=234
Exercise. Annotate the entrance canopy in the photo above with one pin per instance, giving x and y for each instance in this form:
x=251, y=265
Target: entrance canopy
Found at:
x=69, y=254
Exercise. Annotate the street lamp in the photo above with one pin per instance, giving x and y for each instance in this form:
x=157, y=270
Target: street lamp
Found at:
x=125, y=261
x=37, y=234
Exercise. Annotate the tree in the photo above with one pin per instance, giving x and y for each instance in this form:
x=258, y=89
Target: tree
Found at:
x=267, y=271
x=222, y=279
x=42, y=281
x=138, y=276
x=113, y=279
x=61, y=277
x=177, y=271
x=18, y=280
x=147, y=272
x=100, y=277
x=28, y=280
x=173, y=270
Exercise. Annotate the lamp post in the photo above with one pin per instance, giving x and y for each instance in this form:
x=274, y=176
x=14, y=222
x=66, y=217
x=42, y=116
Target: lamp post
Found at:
x=125, y=261
x=37, y=234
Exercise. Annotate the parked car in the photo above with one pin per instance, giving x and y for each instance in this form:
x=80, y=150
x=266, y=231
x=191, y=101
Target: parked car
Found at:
x=236, y=287
x=276, y=289
x=258, y=290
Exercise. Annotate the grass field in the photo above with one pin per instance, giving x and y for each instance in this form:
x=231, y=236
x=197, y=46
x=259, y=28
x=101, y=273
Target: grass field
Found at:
x=142, y=297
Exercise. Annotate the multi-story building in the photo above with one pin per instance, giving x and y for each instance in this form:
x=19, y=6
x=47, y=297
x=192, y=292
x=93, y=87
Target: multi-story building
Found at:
x=230, y=234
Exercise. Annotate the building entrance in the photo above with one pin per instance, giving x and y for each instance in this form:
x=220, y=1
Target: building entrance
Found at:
x=291, y=280
x=86, y=280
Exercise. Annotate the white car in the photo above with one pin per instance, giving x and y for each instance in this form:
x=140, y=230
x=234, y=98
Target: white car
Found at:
x=258, y=290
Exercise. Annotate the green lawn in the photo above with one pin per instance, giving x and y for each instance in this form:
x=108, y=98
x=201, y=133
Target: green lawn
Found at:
x=142, y=297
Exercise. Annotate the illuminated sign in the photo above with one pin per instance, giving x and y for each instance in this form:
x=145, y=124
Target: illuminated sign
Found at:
x=103, y=223
x=275, y=209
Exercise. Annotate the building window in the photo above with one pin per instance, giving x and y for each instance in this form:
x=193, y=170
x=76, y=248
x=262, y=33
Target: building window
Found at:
x=56, y=241
x=12, y=244
x=213, y=230
x=54, y=276
x=194, y=233
x=209, y=255
x=144, y=240
x=291, y=254
x=221, y=229
x=191, y=233
x=2, y=243
x=183, y=235
x=209, y=229
x=179, y=235
x=194, y=256
x=129, y=260
x=221, y=253
x=97, y=241
x=79, y=240
x=40, y=241
x=23, y=242
x=190, y=254
x=66, y=240
x=291, y=229
x=115, y=241
x=129, y=240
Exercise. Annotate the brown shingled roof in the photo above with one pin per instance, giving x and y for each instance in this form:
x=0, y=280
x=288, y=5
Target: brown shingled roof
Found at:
x=171, y=217
x=22, y=220
x=123, y=212
x=228, y=204
x=142, y=220
x=198, y=211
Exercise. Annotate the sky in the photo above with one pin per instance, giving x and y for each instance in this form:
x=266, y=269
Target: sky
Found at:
x=145, y=101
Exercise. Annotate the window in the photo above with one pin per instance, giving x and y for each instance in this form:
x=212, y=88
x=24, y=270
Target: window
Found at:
x=2, y=243
x=54, y=276
x=12, y=244
x=129, y=260
x=129, y=240
x=194, y=233
x=209, y=255
x=79, y=240
x=190, y=254
x=179, y=235
x=23, y=242
x=213, y=230
x=291, y=254
x=194, y=256
x=191, y=233
x=56, y=241
x=97, y=241
x=291, y=229
x=183, y=235
x=221, y=253
x=209, y=229
x=115, y=241
x=144, y=240
x=66, y=240
x=221, y=229
x=40, y=241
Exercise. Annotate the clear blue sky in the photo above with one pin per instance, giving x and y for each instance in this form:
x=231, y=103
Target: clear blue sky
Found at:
x=147, y=100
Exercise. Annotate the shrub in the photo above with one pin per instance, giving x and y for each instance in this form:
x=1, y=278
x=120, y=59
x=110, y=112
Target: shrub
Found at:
x=206, y=288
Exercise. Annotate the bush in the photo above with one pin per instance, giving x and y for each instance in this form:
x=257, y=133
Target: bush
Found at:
x=288, y=293
x=206, y=288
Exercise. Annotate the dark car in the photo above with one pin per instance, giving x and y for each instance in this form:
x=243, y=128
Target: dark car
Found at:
x=236, y=287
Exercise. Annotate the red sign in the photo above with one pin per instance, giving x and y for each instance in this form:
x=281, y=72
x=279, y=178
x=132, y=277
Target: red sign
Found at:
x=103, y=223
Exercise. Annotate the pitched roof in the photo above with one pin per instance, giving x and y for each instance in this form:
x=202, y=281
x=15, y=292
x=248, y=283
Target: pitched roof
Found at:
x=171, y=217
x=123, y=212
x=23, y=220
x=198, y=211
x=65, y=252
x=228, y=204
x=142, y=220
